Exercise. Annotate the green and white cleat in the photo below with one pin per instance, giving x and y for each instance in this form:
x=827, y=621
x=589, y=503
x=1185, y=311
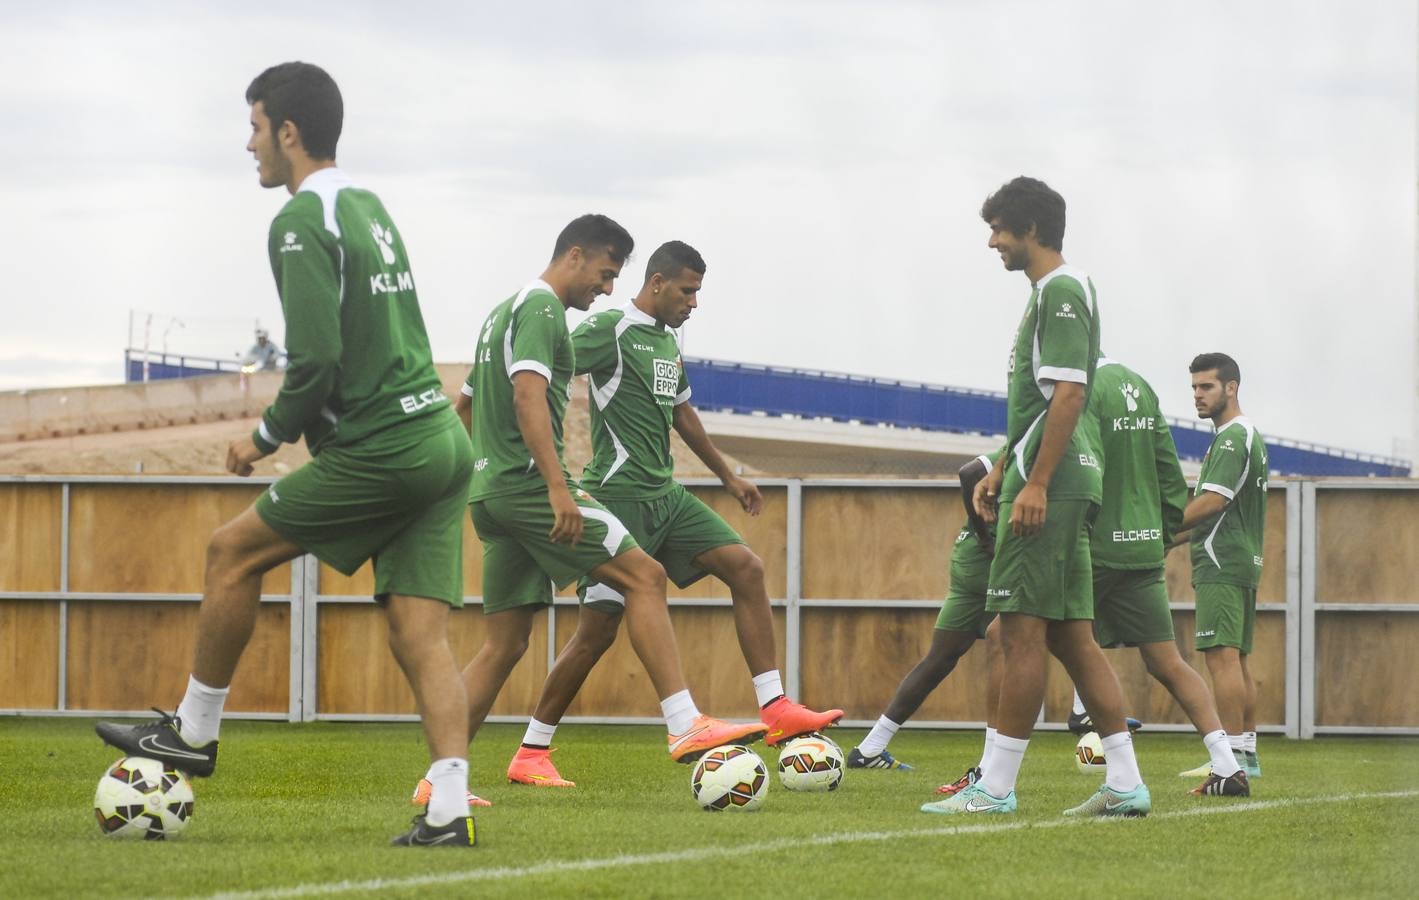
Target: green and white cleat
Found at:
x=1109, y=802
x=973, y=799
x=1251, y=763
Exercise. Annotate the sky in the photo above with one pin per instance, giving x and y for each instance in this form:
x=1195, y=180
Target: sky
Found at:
x=1239, y=177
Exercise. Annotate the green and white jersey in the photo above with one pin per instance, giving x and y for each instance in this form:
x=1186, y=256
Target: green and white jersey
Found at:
x=1058, y=340
x=359, y=359
x=1144, y=488
x=1228, y=549
x=637, y=380
x=525, y=333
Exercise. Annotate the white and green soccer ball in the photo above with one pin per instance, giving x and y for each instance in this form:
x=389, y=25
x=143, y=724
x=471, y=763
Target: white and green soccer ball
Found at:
x=730, y=777
x=1089, y=754
x=142, y=798
x=811, y=763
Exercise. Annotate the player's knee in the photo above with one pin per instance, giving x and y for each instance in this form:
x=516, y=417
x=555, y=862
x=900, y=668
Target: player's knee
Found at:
x=224, y=554
x=595, y=633
x=645, y=576
x=748, y=569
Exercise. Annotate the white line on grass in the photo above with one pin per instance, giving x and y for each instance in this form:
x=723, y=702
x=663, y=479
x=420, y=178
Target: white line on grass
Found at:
x=502, y=873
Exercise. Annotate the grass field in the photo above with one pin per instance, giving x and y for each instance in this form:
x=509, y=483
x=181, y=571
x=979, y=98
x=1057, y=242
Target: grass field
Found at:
x=298, y=811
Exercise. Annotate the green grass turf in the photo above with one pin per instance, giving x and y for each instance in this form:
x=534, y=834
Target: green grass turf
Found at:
x=315, y=805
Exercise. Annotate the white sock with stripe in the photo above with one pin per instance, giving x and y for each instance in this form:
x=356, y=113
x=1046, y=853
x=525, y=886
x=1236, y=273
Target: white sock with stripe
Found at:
x=879, y=737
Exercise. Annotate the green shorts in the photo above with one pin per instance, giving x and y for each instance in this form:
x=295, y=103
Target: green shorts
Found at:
x=675, y=529
x=1047, y=574
x=964, y=609
x=521, y=565
x=1226, y=616
x=401, y=507
x=1131, y=607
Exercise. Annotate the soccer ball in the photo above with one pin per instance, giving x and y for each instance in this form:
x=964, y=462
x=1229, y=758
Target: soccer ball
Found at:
x=1089, y=753
x=142, y=798
x=730, y=777
x=811, y=763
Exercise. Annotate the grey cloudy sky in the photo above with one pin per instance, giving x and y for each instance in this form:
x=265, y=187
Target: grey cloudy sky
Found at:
x=1240, y=177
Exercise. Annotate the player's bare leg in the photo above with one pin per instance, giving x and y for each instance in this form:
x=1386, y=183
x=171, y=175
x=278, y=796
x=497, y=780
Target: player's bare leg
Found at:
x=641, y=581
x=238, y=555
x=1228, y=686
x=594, y=635
x=947, y=648
x=503, y=645
x=1166, y=665
x=742, y=570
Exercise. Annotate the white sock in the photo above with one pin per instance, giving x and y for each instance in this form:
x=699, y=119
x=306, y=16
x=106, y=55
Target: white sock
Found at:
x=768, y=687
x=538, y=734
x=1238, y=742
x=1006, y=754
x=449, y=798
x=1122, y=765
x=1078, y=708
x=879, y=737
x=1249, y=741
x=201, y=712
x=679, y=711
x=1224, y=763
x=985, y=752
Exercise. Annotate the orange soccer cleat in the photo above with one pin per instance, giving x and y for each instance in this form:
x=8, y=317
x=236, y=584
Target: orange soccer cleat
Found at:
x=786, y=720
x=533, y=765
x=705, y=733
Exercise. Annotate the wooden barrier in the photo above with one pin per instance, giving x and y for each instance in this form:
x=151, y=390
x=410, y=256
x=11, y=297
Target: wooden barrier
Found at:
x=80, y=612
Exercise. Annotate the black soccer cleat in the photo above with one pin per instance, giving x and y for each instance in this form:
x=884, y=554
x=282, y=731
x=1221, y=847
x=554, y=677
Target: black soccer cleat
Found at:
x=160, y=740
x=458, y=833
x=1081, y=724
x=1234, y=785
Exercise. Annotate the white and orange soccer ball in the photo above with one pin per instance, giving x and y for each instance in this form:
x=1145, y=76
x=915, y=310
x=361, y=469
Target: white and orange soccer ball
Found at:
x=730, y=777
x=1089, y=754
x=811, y=763
x=142, y=798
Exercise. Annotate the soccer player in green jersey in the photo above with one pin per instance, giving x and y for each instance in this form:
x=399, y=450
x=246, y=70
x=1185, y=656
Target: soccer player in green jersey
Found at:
x=541, y=531
x=1144, y=496
x=1226, y=521
x=961, y=621
x=1048, y=487
x=390, y=466
x=639, y=393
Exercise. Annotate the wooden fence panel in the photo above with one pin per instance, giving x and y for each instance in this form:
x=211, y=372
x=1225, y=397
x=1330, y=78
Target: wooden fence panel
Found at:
x=1365, y=546
x=878, y=543
x=29, y=654
x=30, y=519
x=129, y=655
x=1365, y=669
x=152, y=538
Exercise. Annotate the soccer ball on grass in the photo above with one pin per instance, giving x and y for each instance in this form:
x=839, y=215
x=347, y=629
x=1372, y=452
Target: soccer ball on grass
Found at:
x=730, y=777
x=811, y=763
x=142, y=798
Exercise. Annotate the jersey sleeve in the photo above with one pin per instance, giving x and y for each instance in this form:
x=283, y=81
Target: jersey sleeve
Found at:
x=538, y=327
x=594, y=343
x=306, y=266
x=682, y=389
x=1225, y=462
x=1065, y=326
x=1172, y=486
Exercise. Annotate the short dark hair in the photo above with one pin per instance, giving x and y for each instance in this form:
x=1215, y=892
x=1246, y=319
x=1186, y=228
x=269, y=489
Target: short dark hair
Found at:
x=1022, y=202
x=1227, y=368
x=306, y=96
x=673, y=257
x=594, y=231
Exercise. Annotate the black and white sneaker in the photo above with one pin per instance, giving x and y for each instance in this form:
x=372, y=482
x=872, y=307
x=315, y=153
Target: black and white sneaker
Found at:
x=161, y=740
x=1081, y=724
x=458, y=833
x=1234, y=785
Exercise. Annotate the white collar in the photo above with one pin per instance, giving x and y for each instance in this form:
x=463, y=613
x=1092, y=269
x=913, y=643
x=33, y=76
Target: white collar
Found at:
x=329, y=178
